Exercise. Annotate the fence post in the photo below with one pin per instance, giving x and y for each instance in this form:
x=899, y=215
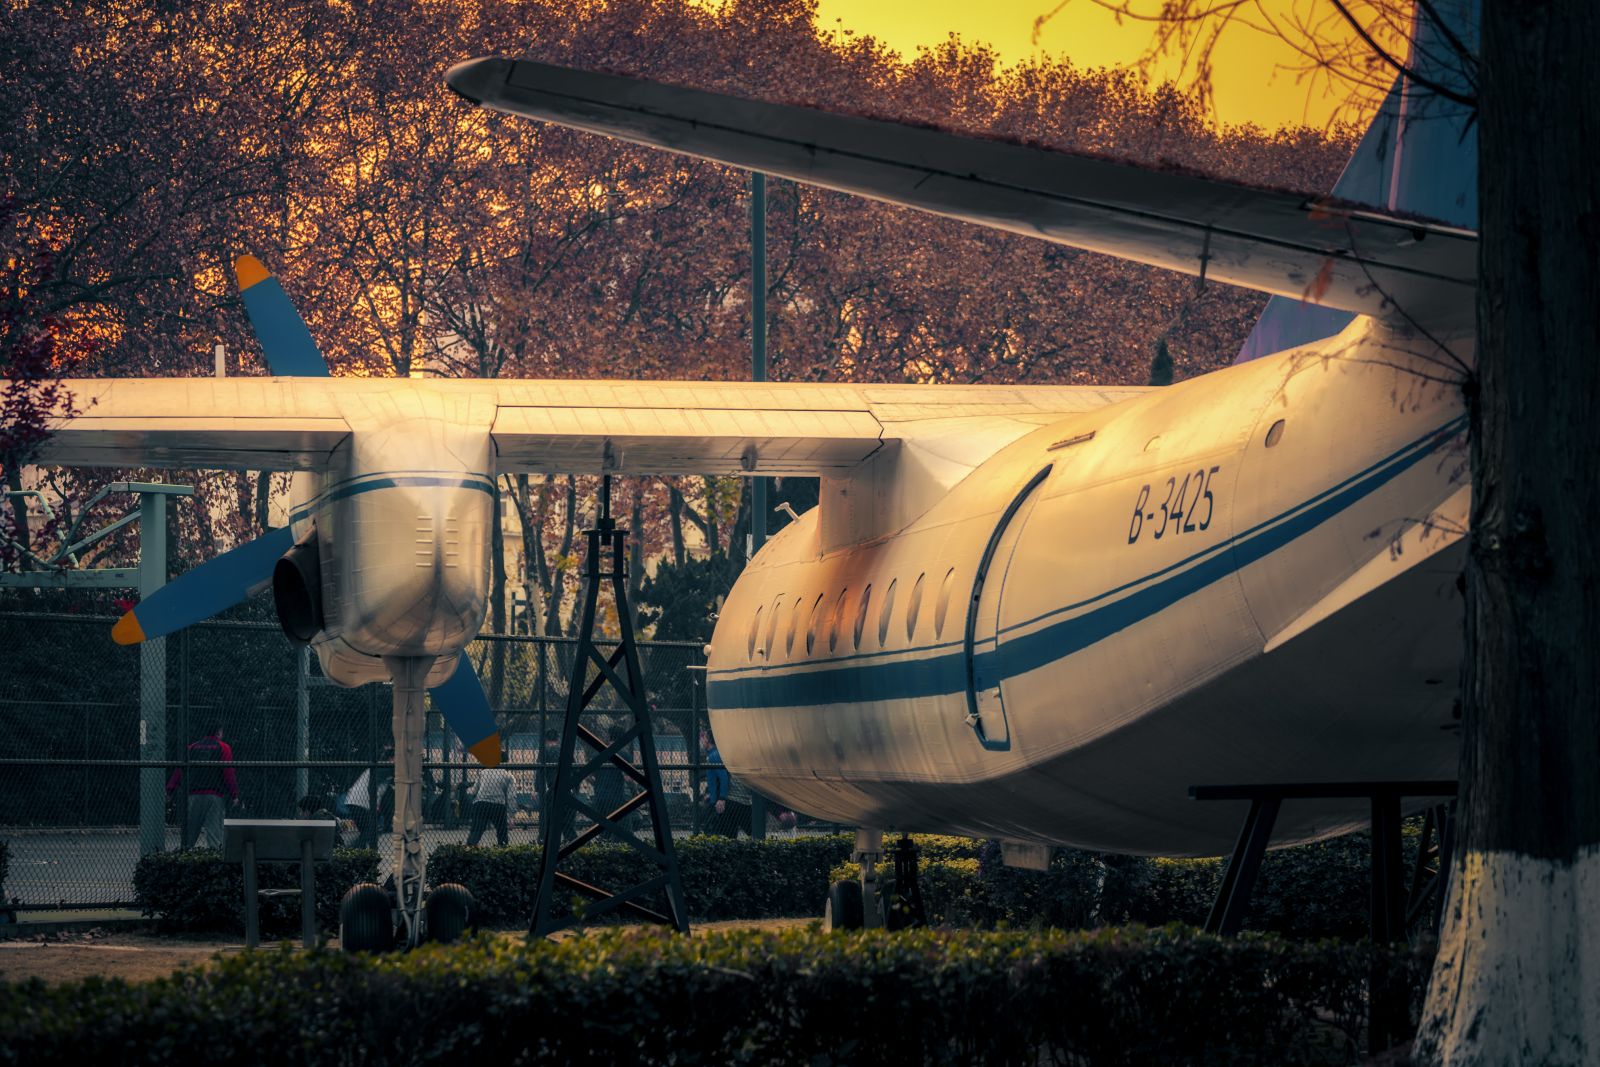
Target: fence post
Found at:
x=302, y=723
x=152, y=678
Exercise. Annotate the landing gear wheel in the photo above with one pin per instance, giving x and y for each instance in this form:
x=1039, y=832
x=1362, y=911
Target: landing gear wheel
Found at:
x=448, y=913
x=843, y=910
x=366, y=921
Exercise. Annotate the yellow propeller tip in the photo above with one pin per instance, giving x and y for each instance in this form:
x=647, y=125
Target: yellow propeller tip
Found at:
x=249, y=271
x=127, y=631
x=487, y=751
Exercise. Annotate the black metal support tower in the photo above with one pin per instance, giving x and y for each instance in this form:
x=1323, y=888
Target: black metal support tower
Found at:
x=620, y=670
x=1392, y=912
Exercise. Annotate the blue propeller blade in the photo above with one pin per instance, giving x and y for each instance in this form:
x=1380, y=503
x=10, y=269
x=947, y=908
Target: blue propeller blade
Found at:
x=285, y=340
x=207, y=589
x=465, y=706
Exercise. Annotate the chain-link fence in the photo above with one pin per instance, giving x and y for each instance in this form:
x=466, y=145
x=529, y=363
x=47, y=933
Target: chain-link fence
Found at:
x=78, y=801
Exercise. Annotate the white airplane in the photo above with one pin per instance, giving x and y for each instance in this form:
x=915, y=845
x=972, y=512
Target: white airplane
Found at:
x=1033, y=612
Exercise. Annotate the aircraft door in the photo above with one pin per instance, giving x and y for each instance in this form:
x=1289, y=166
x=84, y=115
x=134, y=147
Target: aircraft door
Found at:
x=986, y=712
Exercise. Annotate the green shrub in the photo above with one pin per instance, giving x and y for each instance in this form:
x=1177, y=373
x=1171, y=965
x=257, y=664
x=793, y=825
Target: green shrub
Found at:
x=1314, y=891
x=197, y=890
x=795, y=997
x=723, y=878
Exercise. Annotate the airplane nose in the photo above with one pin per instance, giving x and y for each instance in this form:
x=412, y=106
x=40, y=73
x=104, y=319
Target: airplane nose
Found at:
x=473, y=78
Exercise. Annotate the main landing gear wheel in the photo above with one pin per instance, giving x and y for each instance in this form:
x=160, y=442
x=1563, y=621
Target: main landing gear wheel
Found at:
x=366, y=919
x=448, y=913
x=843, y=910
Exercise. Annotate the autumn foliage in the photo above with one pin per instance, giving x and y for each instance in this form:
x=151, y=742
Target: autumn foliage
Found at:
x=152, y=141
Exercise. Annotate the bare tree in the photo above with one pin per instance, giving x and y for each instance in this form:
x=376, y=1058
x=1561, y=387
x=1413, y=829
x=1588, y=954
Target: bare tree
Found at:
x=1515, y=979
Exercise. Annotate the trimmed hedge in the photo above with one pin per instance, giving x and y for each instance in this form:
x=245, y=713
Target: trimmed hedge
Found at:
x=1314, y=891
x=1130, y=996
x=197, y=890
x=723, y=878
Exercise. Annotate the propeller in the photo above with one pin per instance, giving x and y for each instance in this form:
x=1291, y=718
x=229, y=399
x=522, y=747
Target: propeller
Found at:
x=285, y=340
x=465, y=706
x=218, y=584
x=214, y=586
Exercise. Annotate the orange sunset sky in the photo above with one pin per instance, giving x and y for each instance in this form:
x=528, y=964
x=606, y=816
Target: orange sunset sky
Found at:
x=1250, y=84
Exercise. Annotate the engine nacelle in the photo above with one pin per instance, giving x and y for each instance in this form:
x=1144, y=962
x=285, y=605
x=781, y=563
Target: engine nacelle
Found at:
x=297, y=590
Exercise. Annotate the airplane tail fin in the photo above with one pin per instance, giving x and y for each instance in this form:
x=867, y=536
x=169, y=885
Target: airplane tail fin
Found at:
x=1419, y=157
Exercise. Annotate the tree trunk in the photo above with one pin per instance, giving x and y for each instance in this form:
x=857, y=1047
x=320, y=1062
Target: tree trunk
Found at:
x=497, y=603
x=263, y=499
x=636, y=552
x=675, y=519
x=558, y=587
x=1517, y=979
x=19, y=517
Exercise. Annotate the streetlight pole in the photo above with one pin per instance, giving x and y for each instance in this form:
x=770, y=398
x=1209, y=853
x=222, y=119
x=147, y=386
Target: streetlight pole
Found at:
x=758, y=373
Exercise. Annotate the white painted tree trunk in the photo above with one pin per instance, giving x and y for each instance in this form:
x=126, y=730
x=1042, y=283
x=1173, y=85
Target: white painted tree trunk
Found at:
x=1517, y=980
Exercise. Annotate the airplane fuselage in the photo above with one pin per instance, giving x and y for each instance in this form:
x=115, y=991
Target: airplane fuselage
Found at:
x=402, y=515
x=1247, y=577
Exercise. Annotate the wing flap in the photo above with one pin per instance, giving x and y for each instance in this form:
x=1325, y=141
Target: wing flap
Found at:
x=683, y=440
x=1335, y=255
x=555, y=426
x=196, y=423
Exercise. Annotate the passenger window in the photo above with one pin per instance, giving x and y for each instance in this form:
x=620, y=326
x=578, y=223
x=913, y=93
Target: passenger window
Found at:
x=861, y=614
x=943, y=607
x=816, y=624
x=884, y=616
x=772, y=626
x=836, y=619
x=755, y=633
x=794, y=625
x=913, y=607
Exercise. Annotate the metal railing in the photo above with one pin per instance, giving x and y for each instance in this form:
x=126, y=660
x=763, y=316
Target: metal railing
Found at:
x=78, y=804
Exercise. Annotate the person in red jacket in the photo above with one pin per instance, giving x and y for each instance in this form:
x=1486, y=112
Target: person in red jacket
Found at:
x=210, y=779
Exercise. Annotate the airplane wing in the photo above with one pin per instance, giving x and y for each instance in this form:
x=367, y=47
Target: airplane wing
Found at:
x=1335, y=254
x=555, y=426
x=274, y=424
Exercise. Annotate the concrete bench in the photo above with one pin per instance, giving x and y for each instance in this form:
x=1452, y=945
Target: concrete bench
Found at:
x=250, y=841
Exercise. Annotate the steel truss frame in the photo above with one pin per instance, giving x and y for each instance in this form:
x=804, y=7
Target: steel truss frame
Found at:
x=622, y=673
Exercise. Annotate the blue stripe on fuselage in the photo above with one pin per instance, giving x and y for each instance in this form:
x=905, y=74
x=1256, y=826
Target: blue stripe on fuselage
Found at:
x=366, y=483
x=912, y=678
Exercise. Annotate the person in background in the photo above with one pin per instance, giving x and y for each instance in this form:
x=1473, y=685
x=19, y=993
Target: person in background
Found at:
x=544, y=784
x=210, y=778
x=364, y=807
x=492, y=800
x=310, y=807
x=726, y=796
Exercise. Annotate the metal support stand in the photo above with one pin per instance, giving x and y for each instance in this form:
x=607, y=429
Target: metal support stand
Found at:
x=1387, y=1012
x=410, y=674
x=1233, y=895
x=907, y=909
x=605, y=540
x=868, y=850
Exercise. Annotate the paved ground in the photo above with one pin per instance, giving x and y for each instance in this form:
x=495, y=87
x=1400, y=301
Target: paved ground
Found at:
x=74, y=867
x=96, y=866
x=139, y=956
